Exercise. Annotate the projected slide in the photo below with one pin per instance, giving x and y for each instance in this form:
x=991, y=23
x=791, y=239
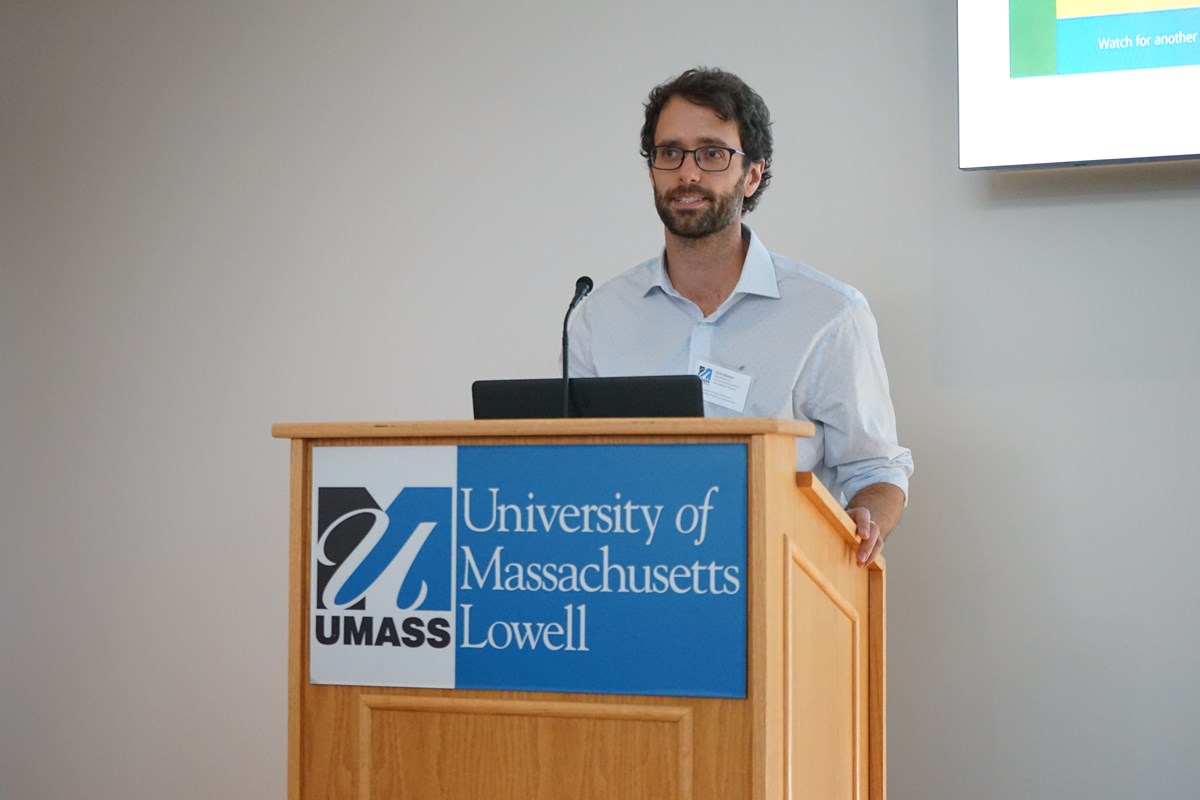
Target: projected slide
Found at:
x=1077, y=36
x=1074, y=82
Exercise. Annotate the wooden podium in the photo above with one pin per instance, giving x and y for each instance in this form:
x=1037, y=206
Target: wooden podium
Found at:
x=811, y=724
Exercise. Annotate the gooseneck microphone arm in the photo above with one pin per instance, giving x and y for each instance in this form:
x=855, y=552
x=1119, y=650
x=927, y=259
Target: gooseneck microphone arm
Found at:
x=582, y=287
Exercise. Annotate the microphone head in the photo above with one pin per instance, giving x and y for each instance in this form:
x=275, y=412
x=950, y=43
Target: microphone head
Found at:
x=583, y=286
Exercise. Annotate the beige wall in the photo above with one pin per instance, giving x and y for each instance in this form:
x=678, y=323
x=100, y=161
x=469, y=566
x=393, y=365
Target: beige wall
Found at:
x=218, y=215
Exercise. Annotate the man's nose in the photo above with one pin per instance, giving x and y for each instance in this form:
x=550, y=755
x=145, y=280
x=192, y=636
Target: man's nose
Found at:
x=689, y=170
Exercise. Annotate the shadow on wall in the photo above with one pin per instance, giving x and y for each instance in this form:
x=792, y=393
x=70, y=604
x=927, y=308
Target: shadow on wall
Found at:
x=1092, y=182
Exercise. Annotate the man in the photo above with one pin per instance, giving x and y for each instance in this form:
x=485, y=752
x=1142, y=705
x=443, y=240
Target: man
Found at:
x=777, y=338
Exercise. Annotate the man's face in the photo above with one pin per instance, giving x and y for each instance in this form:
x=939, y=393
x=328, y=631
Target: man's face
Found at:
x=693, y=203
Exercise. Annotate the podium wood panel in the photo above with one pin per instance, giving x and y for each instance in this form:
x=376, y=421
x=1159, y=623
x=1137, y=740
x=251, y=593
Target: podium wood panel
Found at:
x=374, y=742
x=811, y=724
x=428, y=748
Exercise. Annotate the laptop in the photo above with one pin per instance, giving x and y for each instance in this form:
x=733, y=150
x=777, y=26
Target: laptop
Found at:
x=637, y=396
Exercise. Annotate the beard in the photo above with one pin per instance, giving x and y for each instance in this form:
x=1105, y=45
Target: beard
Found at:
x=721, y=210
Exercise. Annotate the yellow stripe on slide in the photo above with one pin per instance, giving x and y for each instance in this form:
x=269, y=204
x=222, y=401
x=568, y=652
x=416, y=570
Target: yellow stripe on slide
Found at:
x=1065, y=9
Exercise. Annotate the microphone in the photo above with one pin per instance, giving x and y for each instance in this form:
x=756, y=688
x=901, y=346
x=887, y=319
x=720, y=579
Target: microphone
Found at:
x=582, y=287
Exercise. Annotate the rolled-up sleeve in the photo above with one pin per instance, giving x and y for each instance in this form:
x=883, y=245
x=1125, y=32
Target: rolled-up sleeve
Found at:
x=844, y=388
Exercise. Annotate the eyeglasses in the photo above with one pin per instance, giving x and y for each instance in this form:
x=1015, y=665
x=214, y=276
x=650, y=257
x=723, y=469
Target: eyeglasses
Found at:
x=709, y=159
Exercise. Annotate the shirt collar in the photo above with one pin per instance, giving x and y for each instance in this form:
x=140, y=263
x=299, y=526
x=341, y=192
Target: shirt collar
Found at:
x=758, y=272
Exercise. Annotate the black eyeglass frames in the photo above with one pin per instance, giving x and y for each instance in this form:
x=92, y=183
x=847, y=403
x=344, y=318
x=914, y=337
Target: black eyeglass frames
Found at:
x=710, y=158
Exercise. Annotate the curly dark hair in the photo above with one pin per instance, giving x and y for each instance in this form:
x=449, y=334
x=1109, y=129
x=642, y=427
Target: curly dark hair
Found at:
x=729, y=96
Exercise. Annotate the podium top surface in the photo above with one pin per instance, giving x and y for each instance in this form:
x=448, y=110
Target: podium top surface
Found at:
x=432, y=429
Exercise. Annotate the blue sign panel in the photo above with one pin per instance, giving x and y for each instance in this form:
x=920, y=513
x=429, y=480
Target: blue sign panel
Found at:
x=605, y=568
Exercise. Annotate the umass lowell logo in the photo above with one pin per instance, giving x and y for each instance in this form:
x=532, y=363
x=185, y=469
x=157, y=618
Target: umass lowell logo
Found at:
x=577, y=568
x=383, y=577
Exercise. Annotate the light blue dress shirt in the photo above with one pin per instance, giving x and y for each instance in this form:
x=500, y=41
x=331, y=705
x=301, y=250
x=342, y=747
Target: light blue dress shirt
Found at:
x=808, y=342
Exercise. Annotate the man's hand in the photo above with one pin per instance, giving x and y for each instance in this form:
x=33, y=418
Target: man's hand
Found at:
x=869, y=532
x=875, y=511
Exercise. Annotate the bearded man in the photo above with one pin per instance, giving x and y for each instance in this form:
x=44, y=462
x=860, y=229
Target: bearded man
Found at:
x=782, y=339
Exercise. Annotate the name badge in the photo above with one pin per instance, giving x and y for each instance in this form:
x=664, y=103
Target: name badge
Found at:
x=724, y=387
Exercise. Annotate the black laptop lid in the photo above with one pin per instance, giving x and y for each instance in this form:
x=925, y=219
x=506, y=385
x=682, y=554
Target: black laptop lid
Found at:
x=542, y=398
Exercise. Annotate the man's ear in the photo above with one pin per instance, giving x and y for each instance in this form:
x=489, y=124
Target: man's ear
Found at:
x=754, y=177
